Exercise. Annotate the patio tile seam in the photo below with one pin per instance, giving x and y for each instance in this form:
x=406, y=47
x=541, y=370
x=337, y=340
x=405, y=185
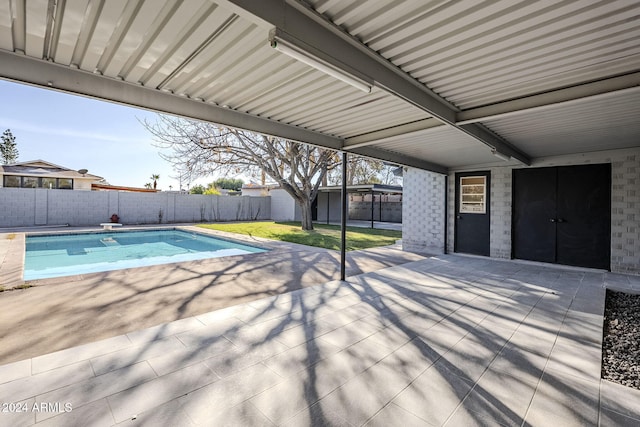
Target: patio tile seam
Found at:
x=544, y=369
x=112, y=349
x=435, y=361
x=635, y=417
x=392, y=398
x=487, y=368
x=105, y=397
x=339, y=384
x=473, y=387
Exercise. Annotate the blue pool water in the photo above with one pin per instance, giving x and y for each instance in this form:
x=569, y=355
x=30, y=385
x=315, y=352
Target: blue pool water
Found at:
x=70, y=254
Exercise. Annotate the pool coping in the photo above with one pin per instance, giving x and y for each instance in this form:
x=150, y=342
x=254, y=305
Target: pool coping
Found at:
x=12, y=250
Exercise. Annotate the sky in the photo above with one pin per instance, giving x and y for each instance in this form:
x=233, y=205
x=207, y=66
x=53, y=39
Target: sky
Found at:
x=77, y=132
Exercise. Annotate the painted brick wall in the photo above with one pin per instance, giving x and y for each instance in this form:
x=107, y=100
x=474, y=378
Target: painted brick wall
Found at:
x=625, y=205
x=500, y=208
x=423, y=211
x=17, y=207
x=77, y=207
x=501, y=197
x=24, y=207
x=625, y=214
x=419, y=216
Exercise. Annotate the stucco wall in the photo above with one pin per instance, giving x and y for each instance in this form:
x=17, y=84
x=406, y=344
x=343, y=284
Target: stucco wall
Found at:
x=283, y=207
x=23, y=207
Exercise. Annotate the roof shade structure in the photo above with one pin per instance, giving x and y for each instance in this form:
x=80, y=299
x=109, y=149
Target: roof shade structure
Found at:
x=452, y=81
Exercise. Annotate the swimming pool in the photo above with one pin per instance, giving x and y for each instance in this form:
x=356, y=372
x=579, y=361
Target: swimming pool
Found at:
x=70, y=254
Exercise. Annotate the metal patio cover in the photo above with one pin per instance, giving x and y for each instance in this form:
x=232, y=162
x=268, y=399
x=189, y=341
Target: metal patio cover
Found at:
x=453, y=83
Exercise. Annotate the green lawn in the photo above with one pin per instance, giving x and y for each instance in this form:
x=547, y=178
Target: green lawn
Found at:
x=323, y=236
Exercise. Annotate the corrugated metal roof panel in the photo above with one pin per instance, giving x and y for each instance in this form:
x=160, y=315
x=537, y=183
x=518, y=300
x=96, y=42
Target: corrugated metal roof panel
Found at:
x=6, y=33
x=443, y=145
x=196, y=48
x=610, y=122
x=471, y=53
x=477, y=53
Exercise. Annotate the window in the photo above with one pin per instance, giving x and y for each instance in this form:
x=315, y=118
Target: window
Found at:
x=65, y=183
x=49, y=183
x=29, y=182
x=34, y=182
x=473, y=191
x=11, y=181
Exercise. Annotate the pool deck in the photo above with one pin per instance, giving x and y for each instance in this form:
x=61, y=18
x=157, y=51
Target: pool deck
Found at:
x=449, y=340
x=68, y=311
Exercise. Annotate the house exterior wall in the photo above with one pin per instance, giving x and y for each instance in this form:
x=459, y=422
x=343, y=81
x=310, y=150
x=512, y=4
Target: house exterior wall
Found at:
x=24, y=207
x=81, y=184
x=255, y=191
x=283, y=207
x=78, y=184
x=421, y=193
x=332, y=202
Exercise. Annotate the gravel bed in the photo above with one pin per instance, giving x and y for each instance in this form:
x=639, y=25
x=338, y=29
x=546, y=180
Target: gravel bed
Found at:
x=621, y=343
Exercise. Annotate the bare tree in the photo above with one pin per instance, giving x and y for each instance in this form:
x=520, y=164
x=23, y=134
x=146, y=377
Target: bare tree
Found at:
x=199, y=149
x=361, y=170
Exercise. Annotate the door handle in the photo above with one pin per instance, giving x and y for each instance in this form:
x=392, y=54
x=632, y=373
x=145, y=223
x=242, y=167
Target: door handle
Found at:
x=458, y=216
x=561, y=220
x=552, y=219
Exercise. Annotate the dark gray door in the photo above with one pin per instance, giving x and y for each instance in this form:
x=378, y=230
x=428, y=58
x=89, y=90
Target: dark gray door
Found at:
x=472, y=220
x=563, y=215
x=534, y=210
x=584, y=216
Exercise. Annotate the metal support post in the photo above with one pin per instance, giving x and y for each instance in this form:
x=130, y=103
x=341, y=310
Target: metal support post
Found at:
x=343, y=219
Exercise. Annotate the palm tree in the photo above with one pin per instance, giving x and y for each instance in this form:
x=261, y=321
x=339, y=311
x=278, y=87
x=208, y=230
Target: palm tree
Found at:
x=148, y=185
x=155, y=179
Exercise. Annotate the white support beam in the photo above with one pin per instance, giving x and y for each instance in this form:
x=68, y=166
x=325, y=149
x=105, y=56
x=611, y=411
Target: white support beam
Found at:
x=23, y=69
x=399, y=159
x=299, y=24
x=378, y=136
x=565, y=96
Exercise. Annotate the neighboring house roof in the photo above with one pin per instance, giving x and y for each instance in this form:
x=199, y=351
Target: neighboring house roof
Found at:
x=364, y=188
x=41, y=168
x=253, y=186
x=376, y=188
x=107, y=187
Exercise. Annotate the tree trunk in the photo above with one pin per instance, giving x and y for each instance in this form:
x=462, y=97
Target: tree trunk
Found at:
x=307, y=217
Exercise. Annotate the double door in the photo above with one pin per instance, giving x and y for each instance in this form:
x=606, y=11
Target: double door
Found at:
x=563, y=215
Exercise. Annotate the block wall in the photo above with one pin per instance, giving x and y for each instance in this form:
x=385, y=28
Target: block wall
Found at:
x=25, y=207
x=420, y=217
x=423, y=211
x=391, y=211
x=625, y=214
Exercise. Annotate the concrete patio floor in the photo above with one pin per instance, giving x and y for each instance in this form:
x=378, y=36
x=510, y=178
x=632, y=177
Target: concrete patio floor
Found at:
x=450, y=340
x=68, y=311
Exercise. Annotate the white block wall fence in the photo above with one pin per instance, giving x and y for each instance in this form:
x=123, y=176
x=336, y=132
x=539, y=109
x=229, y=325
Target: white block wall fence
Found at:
x=424, y=200
x=25, y=207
